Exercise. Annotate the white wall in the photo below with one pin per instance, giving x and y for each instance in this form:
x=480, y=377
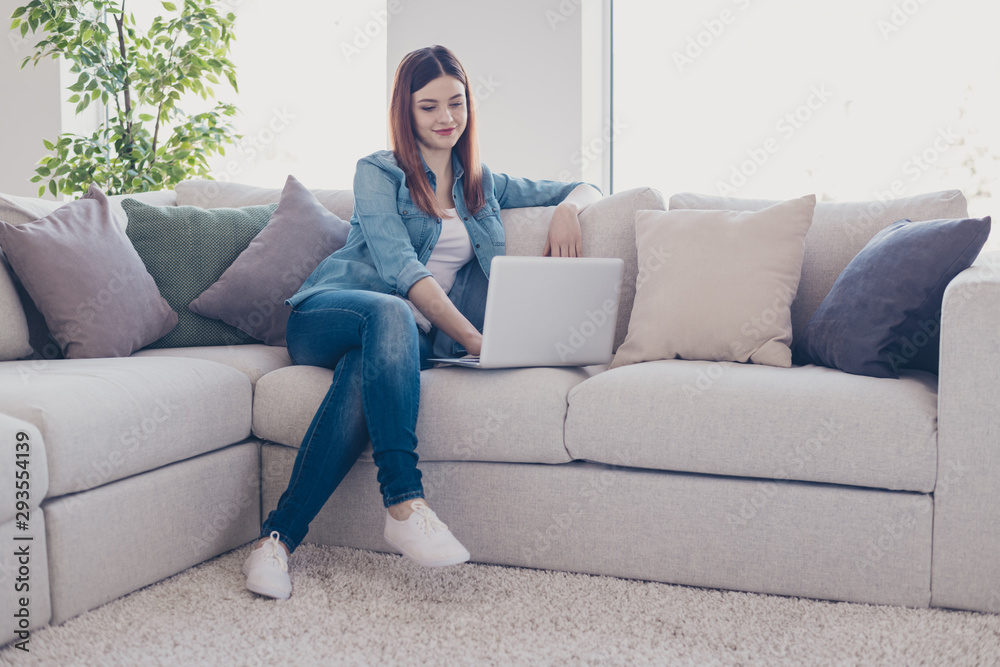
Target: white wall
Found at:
x=311, y=102
x=535, y=68
x=525, y=65
x=30, y=108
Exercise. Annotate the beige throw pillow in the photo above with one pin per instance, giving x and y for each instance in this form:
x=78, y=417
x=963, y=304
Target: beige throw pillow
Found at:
x=717, y=285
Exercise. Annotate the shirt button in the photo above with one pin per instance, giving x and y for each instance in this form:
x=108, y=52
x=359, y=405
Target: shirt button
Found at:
x=439, y=219
x=494, y=208
x=464, y=218
x=405, y=212
x=477, y=245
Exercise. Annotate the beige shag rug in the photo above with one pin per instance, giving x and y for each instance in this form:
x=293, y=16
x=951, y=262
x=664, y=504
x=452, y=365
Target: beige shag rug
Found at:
x=363, y=608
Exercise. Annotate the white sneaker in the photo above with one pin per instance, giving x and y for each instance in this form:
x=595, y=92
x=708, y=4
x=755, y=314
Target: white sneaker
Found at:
x=424, y=538
x=266, y=570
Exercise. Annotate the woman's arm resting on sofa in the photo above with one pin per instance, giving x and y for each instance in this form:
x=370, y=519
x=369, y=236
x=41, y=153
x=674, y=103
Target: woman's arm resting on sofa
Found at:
x=565, y=237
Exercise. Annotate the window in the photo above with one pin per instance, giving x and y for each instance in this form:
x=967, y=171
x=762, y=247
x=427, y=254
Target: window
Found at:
x=850, y=100
x=313, y=97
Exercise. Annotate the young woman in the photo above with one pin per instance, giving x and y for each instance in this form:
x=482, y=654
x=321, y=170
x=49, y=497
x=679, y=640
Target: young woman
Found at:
x=426, y=224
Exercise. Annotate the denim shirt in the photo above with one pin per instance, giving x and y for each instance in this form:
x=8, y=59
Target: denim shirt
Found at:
x=391, y=239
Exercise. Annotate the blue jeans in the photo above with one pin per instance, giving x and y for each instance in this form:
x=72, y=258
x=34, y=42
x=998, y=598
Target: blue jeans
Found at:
x=372, y=343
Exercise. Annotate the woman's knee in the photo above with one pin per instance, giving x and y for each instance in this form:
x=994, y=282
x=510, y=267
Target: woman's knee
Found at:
x=392, y=313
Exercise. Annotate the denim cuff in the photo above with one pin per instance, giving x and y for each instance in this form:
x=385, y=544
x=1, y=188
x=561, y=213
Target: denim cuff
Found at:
x=389, y=502
x=412, y=272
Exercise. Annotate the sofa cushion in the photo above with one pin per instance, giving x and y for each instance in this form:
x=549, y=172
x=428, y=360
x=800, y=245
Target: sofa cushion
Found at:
x=514, y=415
x=251, y=293
x=805, y=423
x=838, y=232
x=253, y=360
x=884, y=312
x=608, y=229
x=87, y=280
x=186, y=249
x=218, y=194
x=106, y=419
x=720, y=284
x=151, y=526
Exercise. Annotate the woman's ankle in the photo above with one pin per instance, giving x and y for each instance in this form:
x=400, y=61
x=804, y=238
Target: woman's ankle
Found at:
x=264, y=540
x=402, y=511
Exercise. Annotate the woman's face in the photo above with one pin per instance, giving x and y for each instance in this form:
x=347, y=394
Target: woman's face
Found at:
x=439, y=113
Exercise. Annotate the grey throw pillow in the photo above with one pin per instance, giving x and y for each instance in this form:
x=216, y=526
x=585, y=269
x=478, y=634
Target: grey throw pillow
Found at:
x=87, y=280
x=251, y=294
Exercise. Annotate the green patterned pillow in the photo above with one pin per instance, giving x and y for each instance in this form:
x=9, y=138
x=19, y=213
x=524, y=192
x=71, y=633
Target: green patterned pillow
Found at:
x=186, y=249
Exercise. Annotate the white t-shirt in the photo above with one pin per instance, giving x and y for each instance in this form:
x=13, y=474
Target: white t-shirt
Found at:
x=452, y=251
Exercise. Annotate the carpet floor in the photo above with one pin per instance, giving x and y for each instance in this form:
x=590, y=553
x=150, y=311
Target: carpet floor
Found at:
x=363, y=608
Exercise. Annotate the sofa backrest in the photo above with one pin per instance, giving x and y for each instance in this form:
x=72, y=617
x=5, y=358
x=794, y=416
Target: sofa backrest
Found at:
x=219, y=194
x=838, y=233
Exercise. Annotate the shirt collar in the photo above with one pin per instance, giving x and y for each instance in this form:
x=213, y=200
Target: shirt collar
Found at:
x=456, y=166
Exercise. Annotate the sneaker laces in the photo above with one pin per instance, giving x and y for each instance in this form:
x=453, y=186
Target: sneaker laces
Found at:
x=427, y=520
x=274, y=553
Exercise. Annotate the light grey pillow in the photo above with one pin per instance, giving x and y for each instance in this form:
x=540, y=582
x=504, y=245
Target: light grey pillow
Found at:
x=22, y=328
x=718, y=285
x=839, y=231
x=250, y=295
x=85, y=277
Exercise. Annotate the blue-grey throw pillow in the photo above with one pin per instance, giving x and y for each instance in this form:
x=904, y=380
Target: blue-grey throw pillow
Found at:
x=883, y=314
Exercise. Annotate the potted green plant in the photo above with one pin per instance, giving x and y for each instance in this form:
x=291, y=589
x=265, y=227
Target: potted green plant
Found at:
x=147, y=142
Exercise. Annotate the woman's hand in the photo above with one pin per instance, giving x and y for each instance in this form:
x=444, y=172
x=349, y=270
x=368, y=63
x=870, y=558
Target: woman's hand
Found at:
x=565, y=238
x=473, y=344
x=427, y=295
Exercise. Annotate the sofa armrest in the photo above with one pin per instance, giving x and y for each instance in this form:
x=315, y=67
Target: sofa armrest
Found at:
x=966, y=552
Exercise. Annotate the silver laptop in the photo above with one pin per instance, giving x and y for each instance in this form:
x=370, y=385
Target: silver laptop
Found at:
x=549, y=311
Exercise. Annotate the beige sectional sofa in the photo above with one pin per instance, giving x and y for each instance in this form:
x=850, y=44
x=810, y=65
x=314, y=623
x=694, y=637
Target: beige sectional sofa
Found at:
x=799, y=481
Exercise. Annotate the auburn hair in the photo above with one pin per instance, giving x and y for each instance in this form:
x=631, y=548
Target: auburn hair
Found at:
x=416, y=70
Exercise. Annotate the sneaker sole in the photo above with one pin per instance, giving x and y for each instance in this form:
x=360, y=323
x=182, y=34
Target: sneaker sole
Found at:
x=441, y=562
x=267, y=592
